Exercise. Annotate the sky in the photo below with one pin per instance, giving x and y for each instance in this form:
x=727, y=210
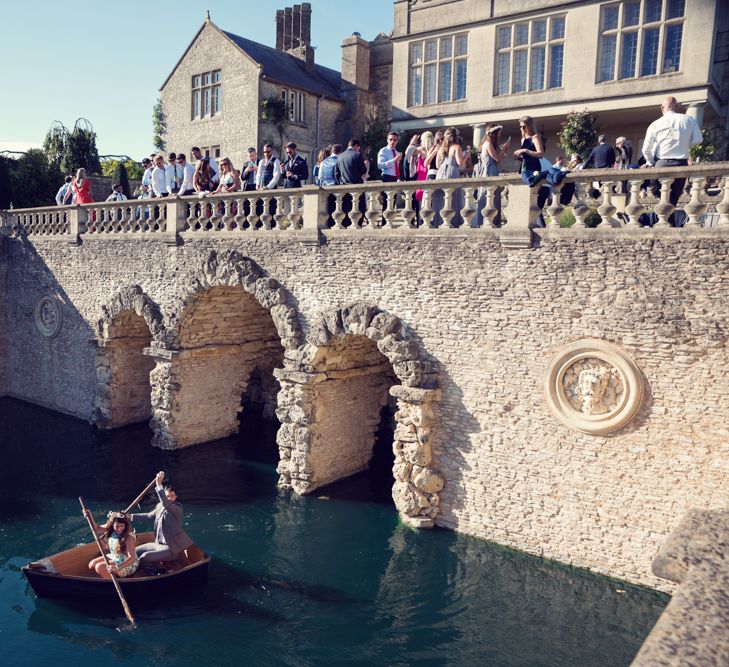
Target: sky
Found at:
x=106, y=61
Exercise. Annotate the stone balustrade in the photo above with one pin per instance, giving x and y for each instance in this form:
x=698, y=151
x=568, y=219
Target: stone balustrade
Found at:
x=628, y=200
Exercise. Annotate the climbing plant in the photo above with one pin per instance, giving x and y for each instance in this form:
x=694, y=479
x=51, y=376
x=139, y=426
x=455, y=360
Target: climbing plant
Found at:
x=159, y=126
x=274, y=111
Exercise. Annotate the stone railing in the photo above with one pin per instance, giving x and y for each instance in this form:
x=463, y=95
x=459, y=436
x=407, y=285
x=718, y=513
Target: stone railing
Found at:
x=629, y=200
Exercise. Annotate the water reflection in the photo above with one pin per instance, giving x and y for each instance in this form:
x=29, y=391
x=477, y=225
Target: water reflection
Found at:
x=329, y=579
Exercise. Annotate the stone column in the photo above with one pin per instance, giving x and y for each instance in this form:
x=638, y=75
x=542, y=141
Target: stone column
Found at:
x=478, y=132
x=696, y=111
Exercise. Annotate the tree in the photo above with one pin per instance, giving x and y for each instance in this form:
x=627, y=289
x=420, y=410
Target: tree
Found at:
x=274, y=111
x=55, y=145
x=7, y=195
x=159, y=126
x=579, y=133
x=120, y=177
x=134, y=169
x=82, y=151
x=712, y=147
x=33, y=180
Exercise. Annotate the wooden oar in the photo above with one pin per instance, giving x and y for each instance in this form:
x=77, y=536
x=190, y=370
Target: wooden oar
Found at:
x=127, y=610
x=138, y=499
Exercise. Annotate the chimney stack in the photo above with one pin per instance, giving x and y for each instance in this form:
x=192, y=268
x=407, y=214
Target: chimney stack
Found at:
x=305, y=23
x=279, y=30
x=296, y=27
x=288, y=21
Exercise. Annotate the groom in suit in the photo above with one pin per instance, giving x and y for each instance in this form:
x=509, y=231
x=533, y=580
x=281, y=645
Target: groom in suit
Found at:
x=169, y=537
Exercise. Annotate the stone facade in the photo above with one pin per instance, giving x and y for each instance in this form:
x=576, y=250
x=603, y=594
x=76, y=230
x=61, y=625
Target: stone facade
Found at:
x=457, y=328
x=625, y=104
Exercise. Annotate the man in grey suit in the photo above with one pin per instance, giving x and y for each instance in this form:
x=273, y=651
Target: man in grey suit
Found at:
x=169, y=537
x=350, y=169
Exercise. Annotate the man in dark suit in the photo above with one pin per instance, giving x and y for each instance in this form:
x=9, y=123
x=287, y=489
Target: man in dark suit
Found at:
x=602, y=155
x=351, y=169
x=295, y=167
x=169, y=537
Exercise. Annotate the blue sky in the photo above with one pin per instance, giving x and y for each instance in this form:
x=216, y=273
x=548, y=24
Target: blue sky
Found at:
x=62, y=61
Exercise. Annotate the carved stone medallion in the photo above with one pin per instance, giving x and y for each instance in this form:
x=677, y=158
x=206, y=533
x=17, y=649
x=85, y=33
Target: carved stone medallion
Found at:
x=593, y=386
x=49, y=316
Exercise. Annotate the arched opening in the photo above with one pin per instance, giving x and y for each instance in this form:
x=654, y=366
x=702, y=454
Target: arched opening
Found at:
x=122, y=369
x=228, y=348
x=352, y=424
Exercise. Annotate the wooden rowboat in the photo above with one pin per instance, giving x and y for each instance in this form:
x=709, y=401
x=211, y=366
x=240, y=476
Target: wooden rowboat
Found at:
x=66, y=575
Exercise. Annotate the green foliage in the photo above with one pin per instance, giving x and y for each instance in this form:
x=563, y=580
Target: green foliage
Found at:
x=713, y=146
x=159, y=126
x=55, y=145
x=273, y=110
x=120, y=177
x=34, y=182
x=592, y=219
x=134, y=169
x=7, y=193
x=82, y=151
x=375, y=137
x=579, y=133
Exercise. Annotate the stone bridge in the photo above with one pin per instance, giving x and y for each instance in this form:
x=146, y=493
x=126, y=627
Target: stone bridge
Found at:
x=559, y=390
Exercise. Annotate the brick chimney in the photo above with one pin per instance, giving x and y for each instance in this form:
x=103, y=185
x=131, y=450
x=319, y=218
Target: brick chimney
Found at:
x=293, y=25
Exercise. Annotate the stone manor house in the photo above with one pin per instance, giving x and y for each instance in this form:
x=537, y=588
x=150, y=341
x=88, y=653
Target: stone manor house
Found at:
x=464, y=63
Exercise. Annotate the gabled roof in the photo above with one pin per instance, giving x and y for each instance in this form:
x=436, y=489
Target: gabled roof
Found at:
x=286, y=68
x=278, y=66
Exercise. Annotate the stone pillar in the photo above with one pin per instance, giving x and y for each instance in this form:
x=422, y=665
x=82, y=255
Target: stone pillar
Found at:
x=417, y=485
x=696, y=111
x=77, y=224
x=176, y=220
x=478, y=132
x=522, y=211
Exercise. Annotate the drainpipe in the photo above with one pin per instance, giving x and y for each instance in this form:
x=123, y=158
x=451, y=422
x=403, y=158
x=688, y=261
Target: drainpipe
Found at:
x=318, y=118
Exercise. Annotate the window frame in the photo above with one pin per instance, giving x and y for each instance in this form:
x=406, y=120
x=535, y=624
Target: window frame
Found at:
x=295, y=101
x=206, y=96
x=527, y=67
x=438, y=70
x=641, y=28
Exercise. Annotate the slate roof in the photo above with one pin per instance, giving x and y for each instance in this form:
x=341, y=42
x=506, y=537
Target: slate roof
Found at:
x=287, y=69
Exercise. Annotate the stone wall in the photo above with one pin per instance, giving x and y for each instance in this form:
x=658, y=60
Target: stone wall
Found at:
x=485, y=322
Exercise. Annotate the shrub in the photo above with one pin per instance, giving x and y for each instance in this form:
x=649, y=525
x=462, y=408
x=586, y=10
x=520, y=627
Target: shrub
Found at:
x=579, y=133
x=567, y=219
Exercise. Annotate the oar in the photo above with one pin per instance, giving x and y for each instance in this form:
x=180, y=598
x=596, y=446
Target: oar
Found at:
x=127, y=611
x=138, y=499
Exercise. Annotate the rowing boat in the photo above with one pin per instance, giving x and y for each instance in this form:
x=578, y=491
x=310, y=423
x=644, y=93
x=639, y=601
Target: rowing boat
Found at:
x=66, y=575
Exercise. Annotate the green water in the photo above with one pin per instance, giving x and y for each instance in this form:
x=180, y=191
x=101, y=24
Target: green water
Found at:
x=331, y=579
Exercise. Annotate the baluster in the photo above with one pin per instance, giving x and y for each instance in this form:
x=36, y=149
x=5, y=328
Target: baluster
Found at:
x=447, y=211
x=722, y=208
x=280, y=216
x=407, y=214
x=489, y=210
x=635, y=209
x=214, y=216
x=426, y=211
x=238, y=218
x=356, y=216
x=338, y=213
x=696, y=208
x=664, y=207
x=580, y=208
x=227, y=221
x=555, y=208
x=607, y=209
x=202, y=220
x=468, y=212
x=295, y=214
x=373, y=213
x=192, y=216
x=390, y=207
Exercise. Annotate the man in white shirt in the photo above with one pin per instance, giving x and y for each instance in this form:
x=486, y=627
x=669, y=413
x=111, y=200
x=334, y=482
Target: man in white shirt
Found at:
x=668, y=141
x=269, y=170
x=197, y=154
x=61, y=194
x=147, y=177
x=388, y=159
x=159, y=177
x=188, y=173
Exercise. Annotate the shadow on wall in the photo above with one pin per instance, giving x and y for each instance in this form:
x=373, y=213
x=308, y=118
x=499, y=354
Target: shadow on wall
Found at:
x=51, y=360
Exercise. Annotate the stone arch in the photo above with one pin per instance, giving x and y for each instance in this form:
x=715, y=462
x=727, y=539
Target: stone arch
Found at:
x=230, y=322
x=331, y=398
x=129, y=322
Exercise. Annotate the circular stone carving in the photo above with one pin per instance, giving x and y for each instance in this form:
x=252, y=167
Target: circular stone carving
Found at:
x=48, y=316
x=593, y=386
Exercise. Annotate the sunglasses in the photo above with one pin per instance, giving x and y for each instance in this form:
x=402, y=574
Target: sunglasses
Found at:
x=267, y=152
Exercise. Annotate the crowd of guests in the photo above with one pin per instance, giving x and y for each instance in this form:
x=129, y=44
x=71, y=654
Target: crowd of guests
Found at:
x=436, y=155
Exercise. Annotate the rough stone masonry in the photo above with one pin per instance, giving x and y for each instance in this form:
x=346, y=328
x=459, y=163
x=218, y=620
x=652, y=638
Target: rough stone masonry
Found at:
x=453, y=327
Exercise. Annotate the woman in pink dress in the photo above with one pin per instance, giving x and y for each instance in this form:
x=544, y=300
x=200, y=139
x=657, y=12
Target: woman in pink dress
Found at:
x=81, y=187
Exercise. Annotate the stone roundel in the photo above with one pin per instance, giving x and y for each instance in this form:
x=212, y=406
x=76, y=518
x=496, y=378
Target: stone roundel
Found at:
x=593, y=386
x=49, y=315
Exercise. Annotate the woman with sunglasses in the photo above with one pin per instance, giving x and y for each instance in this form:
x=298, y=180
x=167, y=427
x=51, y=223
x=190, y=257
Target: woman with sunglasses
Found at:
x=532, y=147
x=121, y=542
x=229, y=177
